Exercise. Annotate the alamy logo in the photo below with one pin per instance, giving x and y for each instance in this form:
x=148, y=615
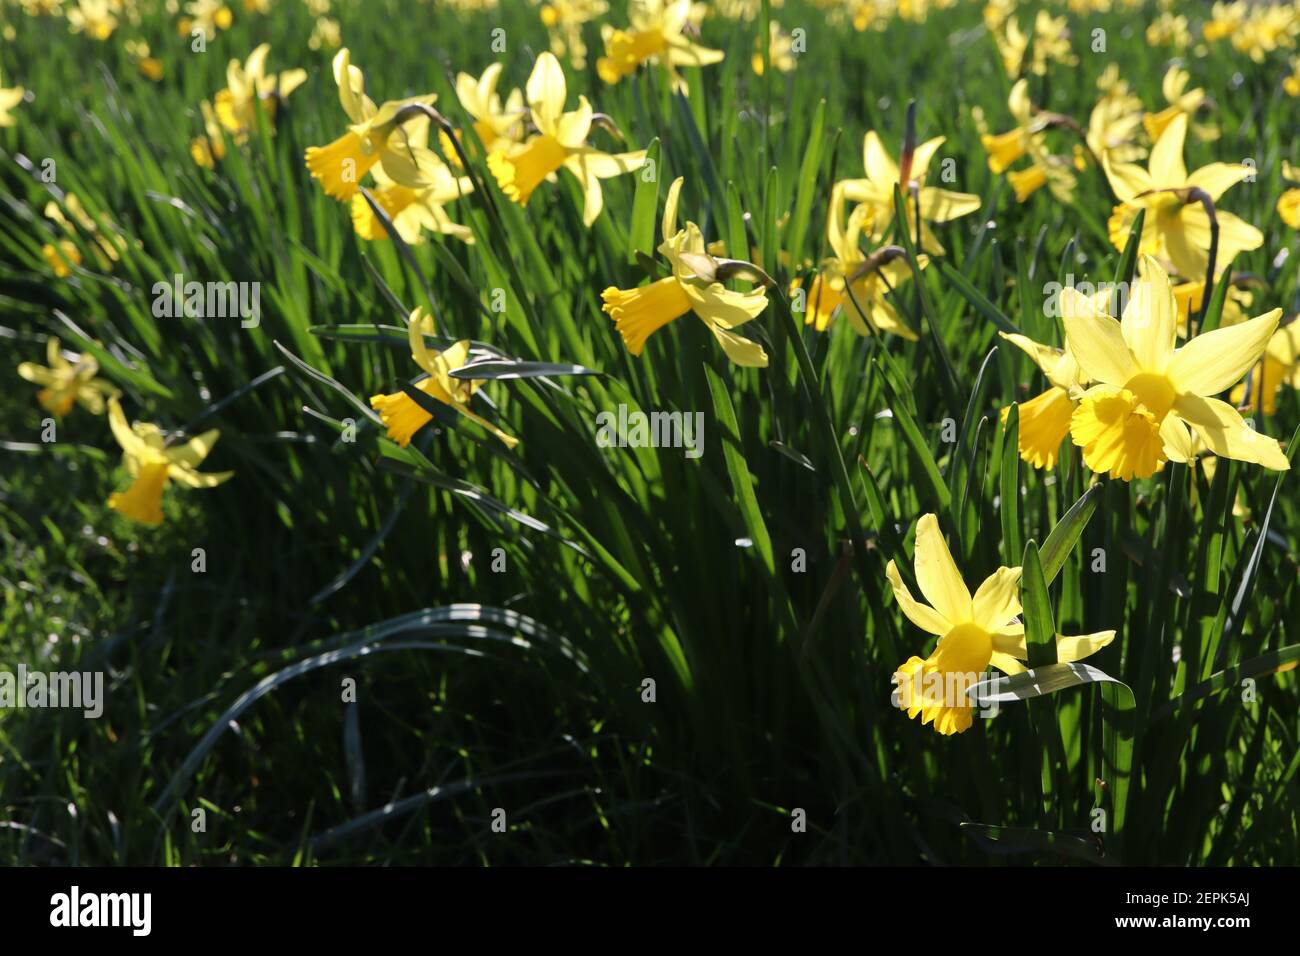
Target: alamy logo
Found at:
x=73, y=909
x=656, y=430
x=78, y=691
x=208, y=300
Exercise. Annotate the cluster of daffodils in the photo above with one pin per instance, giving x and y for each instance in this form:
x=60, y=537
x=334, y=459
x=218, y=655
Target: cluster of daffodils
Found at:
x=151, y=459
x=233, y=111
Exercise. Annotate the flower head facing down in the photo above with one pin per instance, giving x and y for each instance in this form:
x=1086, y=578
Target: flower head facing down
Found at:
x=375, y=136
x=693, y=286
x=560, y=143
x=974, y=631
x=403, y=416
x=152, y=462
x=1149, y=393
x=66, y=383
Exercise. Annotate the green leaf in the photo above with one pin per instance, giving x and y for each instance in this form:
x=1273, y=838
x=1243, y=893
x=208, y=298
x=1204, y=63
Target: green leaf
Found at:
x=1056, y=549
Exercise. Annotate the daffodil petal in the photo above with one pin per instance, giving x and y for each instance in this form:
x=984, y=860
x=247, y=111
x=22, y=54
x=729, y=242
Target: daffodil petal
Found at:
x=1217, y=360
x=937, y=573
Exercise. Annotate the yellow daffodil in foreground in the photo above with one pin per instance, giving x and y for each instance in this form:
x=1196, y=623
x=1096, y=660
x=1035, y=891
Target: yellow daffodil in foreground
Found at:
x=1281, y=366
x=151, y=463
x=9, y=98
x=248, y=87
x=1182, y=102
x=876, y=191
x=869, y=279
x=561, y=142
x=1177, y=226
x=1288, y=204
x=974, y=632
x=65, y=383
x=1044, y=421
x=657, y=33
x=374, y=136
x=693, y=286
x=1148, y=392
x=414, y=210
x=403, y=416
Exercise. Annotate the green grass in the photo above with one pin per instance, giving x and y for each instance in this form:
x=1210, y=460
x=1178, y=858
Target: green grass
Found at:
x=772, y=684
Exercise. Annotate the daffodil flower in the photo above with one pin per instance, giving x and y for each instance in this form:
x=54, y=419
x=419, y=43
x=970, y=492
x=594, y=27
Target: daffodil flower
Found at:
x=105, y=244
x=414, y=210
x=1177, y=225
x=1148, y=393
x=561, y=142
x=1291, y=83
x=248, y=87
x=564, y=20
x=656, y=34
x=1044, y=421
x=403, y=416
x=1281, y=366
x=374, y=137
x=1182, y=102
x=974, y=632
x=1288, y=204
x=1115, y=121
x=209, y=149
x=876, y=191
x=152, y=462
x=9, y=98
x=1005, y=149
x=693, y=286
x=65, y=383
x=780, y=50
x=95, y=18
x=868, y=279
x=497, y=126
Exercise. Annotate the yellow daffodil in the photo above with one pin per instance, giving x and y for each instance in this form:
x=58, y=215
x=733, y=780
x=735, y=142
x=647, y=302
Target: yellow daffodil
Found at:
x=1182, y=102
x=151, y=462
x=1291, y=83
x=206, y=15
x=876, y=191
x=561, y=142
x=1169, y=29
x=869, y=279
x=1051, y=44
x=1225, y=19
x=657, y=34
x=374, y=137
x=95, y=18
x=150, y=67
x=209, y=149
x=1177, y=226
x=780, y=50
x=564, y=20
x=493, y=123
x=1044, y=421
x=105, y=243
x=9, y=98
x=1281, y=366
x=326, y=34
x=64, y=383
x=1005, y=149
x=693, y=286
x=974, y=631
x=1149, y=393
x=403, y=416
x=248, y=87
x=414, y=210
x=1188, y=297
x=1115, y=121
x=1288, y=204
